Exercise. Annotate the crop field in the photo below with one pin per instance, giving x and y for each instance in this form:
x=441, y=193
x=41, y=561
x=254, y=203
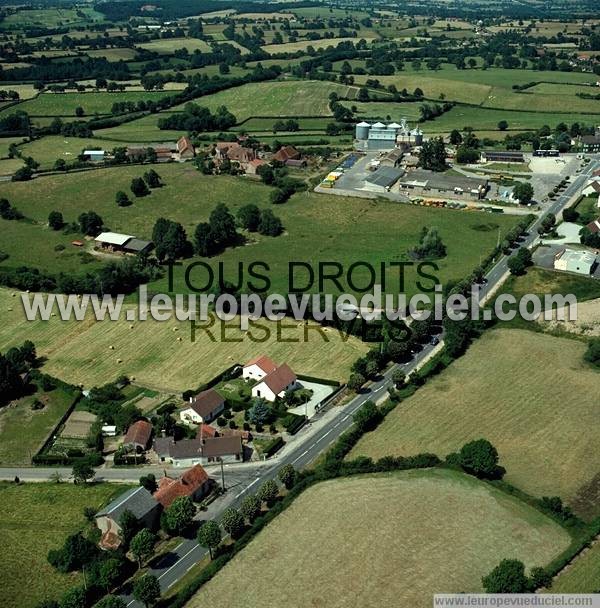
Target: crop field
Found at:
x=291, y=98
x=64, y=104
x=582, y=575
x=424, y=519
x=317, y=226
x=539, y=415
x=23, y=430
x=143, y=130
x=35, y=518
x=151, y=352
x=25, y=91
x=49, y=18
x=302, y=45
x=170, y=45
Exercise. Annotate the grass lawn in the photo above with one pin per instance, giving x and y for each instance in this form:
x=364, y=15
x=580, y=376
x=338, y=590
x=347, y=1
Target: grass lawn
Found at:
x=23, y=430
x=582, y=576
x=588, y=209
x=64, y=104
x=35, y=518
x=167, y=46
x=528, y=393
x=318, y=227
x=436, y=532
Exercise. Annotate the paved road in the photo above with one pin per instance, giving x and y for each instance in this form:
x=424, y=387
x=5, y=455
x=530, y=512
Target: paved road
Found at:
x=310, y=442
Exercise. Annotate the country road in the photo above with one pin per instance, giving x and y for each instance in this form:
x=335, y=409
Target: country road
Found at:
x=323, y=430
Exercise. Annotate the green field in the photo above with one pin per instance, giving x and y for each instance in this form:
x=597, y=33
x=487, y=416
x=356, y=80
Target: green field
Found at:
x=64, y=104
x=528, y=393
x=168, y=46
x=318, y=227
x=23, y=430
x=382, y=109
x=288, y=98
x=142, y=130
x=152, y=354
x=425, y=521
x=52, y=17
x=582, y=576
x=35, y=518
x=302, y=45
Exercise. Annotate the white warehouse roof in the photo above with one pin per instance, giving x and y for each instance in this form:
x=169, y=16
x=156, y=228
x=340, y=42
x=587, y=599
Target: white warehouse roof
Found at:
x=113, y=238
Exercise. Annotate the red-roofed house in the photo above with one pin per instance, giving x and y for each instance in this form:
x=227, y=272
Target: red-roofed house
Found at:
x=276, y=384
x=592, y=187
x=594, y=226
x=204, y=407
x=185, y=148
x=194, y=483
x=234, y=152
x=286, y=153
x=258, y=368
x=205, y=430
x=138, y=436
x=253, y=165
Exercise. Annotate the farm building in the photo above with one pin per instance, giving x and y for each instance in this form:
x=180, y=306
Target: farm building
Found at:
x=253, y=165
x=122, y=243
x=288, y=155
x=383, y=179
x=276, y=384
x=204, y=407
x=594, y=226
x=190, y=452
x=139, y=502
x=193, y=483
x=392, y=158
x=94, y=156
x=575, y=260
x=185, y=148
x=426, y=181
x=503, y=156
x=258, y=368
x=591, y=143
x=138, y=436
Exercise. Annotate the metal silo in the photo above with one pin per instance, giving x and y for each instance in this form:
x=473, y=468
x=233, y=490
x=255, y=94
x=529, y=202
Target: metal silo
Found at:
x=362, y=130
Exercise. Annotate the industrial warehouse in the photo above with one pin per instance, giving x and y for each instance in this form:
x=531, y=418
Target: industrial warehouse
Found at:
x=385, y=163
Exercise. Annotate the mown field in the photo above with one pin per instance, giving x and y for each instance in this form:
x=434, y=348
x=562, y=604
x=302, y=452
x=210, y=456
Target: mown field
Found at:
x=385, y=540
x=64, y=104
x=582, y=576
x=150, y=351
x=23, y=430
x=291, y=98
x=166, y=46
x=530, y=394
x=318, y=227
x=35, y=518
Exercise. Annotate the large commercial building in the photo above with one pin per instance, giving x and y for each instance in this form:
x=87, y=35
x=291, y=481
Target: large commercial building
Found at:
x=383, y=179
x=575, y=260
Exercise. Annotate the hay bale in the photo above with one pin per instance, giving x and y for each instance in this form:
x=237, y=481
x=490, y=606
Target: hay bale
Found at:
x=119, y=361
x=111, y=347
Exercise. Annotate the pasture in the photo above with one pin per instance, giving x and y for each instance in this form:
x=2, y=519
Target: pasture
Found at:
x=24, y=430
x=64, y=104
x=35, y=518
x=303, y=45
x=530, y=394
x=151, y=352
x=289, y=98
x=167, y=46
x=317, y=226
x=424, y=520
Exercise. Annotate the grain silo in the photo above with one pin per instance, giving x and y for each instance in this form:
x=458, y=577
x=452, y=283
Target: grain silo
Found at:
x=362, y=131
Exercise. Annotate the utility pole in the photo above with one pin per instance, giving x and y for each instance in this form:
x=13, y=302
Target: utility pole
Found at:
x=222, y=474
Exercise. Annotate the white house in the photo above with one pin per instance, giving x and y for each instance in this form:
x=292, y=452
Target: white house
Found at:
x=592, y=187
x=276, y=384
x=204, y=407
x=258, y=368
